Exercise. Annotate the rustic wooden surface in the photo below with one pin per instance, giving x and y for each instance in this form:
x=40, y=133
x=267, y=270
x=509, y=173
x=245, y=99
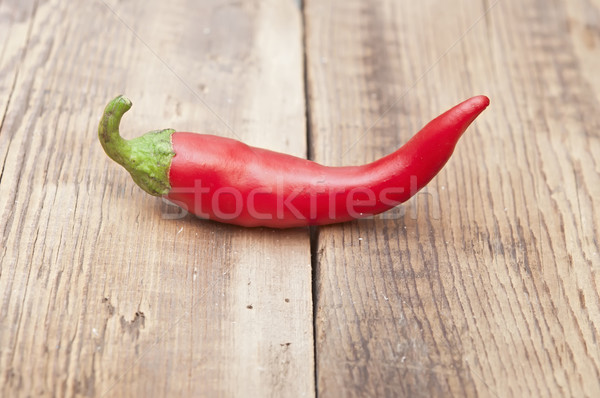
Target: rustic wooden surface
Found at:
x=486, y=284
x=101, y=295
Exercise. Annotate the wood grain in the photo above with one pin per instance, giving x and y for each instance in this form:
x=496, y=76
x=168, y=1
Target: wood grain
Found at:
x=106, y=291
x=487, y=283
x=484, y=284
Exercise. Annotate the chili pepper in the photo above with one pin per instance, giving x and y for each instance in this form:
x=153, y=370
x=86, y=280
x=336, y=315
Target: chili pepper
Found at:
x=226, y=180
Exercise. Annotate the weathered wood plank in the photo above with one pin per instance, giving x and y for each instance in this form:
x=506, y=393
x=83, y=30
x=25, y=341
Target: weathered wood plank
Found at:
x=487, y=284
x=16, y=24
x=106, y=291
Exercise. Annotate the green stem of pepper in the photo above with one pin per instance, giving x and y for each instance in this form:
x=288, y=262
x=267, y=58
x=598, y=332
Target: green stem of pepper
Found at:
x=146, y=158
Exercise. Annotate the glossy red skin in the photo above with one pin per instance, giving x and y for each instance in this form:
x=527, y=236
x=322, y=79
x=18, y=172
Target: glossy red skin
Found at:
x=226, y=180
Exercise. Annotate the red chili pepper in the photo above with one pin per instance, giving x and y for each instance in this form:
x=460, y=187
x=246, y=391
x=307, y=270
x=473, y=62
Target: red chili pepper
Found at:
x=225, y=180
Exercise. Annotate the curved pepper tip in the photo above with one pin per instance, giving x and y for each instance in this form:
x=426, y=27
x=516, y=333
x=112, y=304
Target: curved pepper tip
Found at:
x=483, y=100
x=479, y=102
x=470, y=109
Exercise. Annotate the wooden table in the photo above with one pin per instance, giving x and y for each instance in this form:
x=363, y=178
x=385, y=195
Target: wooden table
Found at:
x=485, y=284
